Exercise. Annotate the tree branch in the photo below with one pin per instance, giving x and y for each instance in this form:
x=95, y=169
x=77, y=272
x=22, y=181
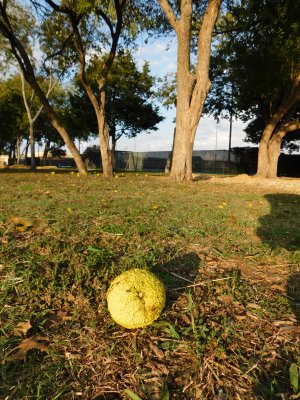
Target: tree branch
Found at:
x=58, y=52
x=106, y=20
x=56, y=7
x=115, y=35
x=284, y=129
x=169, y=13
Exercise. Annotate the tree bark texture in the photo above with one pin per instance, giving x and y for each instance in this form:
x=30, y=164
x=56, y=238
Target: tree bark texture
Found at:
x=192, y=88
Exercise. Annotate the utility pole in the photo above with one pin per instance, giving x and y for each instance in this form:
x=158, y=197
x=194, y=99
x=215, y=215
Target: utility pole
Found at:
x=229, y=147
x=230, y=130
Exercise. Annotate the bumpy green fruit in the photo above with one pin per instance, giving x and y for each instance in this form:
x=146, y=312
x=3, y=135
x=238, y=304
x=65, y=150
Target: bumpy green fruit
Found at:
x=136, y=298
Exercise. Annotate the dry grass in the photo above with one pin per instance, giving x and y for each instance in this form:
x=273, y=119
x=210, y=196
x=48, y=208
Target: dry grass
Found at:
x=229, y=256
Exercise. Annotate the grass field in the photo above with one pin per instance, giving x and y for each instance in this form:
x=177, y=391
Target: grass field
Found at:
x=229, y=256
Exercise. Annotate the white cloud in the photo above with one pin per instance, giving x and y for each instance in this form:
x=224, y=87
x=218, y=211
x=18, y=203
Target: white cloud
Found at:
x=161, y=56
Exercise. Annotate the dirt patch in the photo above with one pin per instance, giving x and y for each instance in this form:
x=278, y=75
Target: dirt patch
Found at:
x=291, y=185
x=19, y=166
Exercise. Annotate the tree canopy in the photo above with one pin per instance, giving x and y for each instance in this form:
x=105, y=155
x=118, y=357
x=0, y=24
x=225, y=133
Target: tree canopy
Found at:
x=129, y=103
x=256, y=69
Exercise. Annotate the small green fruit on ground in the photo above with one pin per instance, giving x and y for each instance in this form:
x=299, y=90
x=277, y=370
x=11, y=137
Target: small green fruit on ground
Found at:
x=136, y=298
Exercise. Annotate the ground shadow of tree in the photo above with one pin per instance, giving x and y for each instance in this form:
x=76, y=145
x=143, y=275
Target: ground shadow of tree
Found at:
x=179, y=271
x=280, y=229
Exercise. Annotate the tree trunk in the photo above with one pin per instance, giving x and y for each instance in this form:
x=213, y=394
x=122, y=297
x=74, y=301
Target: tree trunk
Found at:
x=11, y=154
x=106, y=156
x=182, y=163
x=99, y=107
x=32, y=146
x=26, y=150
x=14, y=159
x=168, y=165
x=275, y=145
x=264, y=169
x=183, y=149
x=113, y=146
x=192, y=88
x=46, y=149
x=18, y=146
x=269, y=151
x=273, y=155
x=263, y=151
x=107, y=167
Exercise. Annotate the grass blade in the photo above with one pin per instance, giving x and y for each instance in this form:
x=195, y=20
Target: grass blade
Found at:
x=132, y=395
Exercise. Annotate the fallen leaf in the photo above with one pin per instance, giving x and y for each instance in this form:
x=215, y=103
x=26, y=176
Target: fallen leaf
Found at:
x=163, y=369
x=34, y=342
x=71, y=356
x=225, y=299
x=186, y=319
x=283, y=323
x=253, y=305
x=22, y=328
x=23, y=224
x=159, y=353
x=57, y=317
x=240, y=317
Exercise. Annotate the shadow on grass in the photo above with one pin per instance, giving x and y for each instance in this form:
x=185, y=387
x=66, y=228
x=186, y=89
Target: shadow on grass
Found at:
x=179, y=272
x=280, y=229
x=293, y=291
x=201, y=177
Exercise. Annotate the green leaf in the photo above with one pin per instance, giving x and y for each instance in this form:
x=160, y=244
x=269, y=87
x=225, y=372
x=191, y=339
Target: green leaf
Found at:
x=294, y=377
x=132, y=395
x=165, y=392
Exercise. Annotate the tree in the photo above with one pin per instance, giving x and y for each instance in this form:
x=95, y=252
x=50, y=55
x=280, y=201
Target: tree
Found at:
x=33, y=116
x=92, y=26
x=258, y=58
x=13, y=122
x=129, y=105
x=11, y=19
x=192, y=22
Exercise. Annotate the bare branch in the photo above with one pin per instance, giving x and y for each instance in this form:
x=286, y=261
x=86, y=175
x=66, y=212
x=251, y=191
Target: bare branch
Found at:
x=59, y=52
x=106, y=20
x=24, y=97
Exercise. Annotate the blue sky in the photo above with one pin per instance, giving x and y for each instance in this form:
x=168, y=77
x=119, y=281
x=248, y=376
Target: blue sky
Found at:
x=161, y=55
